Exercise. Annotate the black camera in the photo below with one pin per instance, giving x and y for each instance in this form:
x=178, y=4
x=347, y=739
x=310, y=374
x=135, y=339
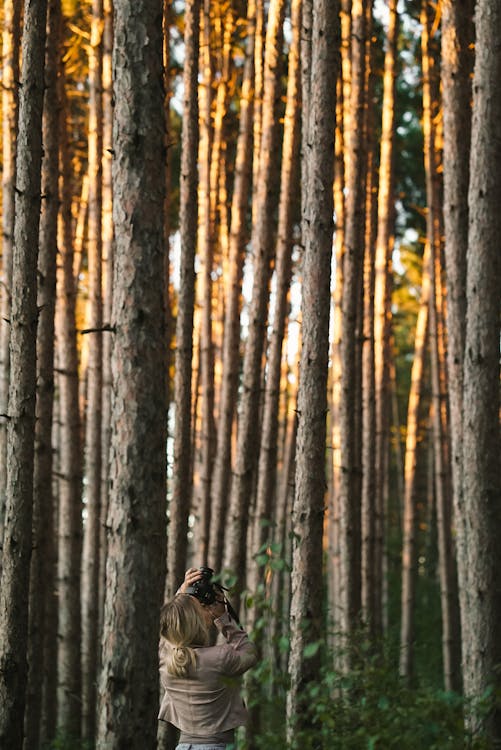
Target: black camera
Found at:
x=205, y=590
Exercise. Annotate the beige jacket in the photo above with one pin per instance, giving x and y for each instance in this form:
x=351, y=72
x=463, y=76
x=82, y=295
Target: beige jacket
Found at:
x=209, y=701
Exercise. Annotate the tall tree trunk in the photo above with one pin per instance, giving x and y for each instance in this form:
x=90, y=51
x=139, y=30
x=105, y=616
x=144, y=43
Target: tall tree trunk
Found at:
x=448, y=584
x=481, y=436
x=107, y=233
x=382, y=294
x=231, y=340
x=206, y=241
x=70, y=459
x=289, y=188
x=319, y=115
x=181, y=490
x=93, y=456
x=409, y=550
x=135, y=572
x=349, y=494
x=11, y=39
x=262, y=247
x=456, y=64
x=42, y=569
x=15, y=576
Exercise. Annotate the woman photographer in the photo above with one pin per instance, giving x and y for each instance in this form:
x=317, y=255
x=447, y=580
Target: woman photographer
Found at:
x=201, y=698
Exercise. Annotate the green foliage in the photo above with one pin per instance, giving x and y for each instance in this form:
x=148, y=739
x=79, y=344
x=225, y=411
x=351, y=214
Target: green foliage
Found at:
x=67, y=742
x=366, y=709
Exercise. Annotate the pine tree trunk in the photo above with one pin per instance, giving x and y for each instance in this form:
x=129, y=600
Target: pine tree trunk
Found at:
x=17, y=543
x=107, y=233
x=93, y=426
x=382, y=293
x=10, y=75
x=181, y=489
x=231, y=340
x=262, y=247
x=349, y=488
x=456, y=63
x=289, y=187
x=448, y=584
x=135, y=572
x=70, y=459
x=481, y=436
x=206, y=241
x=319, y=115
x=409, y=550
x=42, y=570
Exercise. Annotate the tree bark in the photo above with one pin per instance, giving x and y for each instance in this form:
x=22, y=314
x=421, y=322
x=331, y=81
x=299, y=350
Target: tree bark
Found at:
x=70, y=459
x=11, y=40
x=15, y=577
x=135, y=572
x=382, y=292
x=93, y=414
x=319, y=116
x=456, y=64
x=231, y=340
x=409, y=550
x=481, y=435
x=42, y=568
x=181, y=489
x=349, y=488
x=262, y=248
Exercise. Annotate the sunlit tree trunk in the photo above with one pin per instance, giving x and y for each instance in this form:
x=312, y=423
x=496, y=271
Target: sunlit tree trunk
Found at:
x=447, y=567
x=333, y=568
x=481, y=434
x=349, y=485
x=135, y=571
x=409, y=549
x=289, y=189
x=17, y=543
x=93, y=426
x=262, y=250
x=456, y=63
x=11, y=39
x=181, y=490
x=70, y=459
x=382, y=296
x=231, y=340
x=42, y=569
x=107, y=285
x=206, y=240
x=319, y=115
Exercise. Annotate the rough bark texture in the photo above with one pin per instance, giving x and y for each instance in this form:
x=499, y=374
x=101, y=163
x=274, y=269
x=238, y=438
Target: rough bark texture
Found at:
x=319, y=99
x=42, y=567
x=181, y=490
x=128, y=687
x=70, y=461
x=262, y=249
x=481, y=437
x=10, y=75
x=289, y=188
x=447, y=569
x=93, y=413
x=231, y=341
x=349, y=487
x=14, y=585
x=456, y=63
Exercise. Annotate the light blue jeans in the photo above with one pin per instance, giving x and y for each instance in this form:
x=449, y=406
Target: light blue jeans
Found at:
x=189, y=746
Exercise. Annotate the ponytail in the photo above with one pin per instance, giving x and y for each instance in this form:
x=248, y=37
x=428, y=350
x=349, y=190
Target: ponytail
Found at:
x=183, y=626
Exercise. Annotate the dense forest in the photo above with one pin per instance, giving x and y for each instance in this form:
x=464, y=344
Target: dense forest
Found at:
x=250, y=318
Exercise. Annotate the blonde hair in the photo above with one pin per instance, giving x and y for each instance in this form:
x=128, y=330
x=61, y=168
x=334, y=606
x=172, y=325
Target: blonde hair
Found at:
x=182, y=624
